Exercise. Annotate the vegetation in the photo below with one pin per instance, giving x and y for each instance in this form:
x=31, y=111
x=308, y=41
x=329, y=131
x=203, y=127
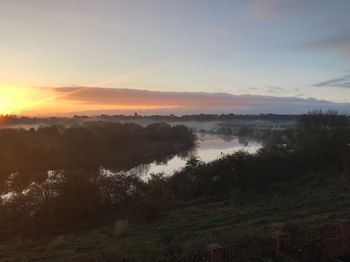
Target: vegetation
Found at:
x=237, y=190
x=52, y=178
x=9, y=120
x=89, y=146
x=318, y=146
x=191, y=225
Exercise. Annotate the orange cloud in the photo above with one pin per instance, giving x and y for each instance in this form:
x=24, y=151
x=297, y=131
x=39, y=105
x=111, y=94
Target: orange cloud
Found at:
x=95, y=100
x=144, y=98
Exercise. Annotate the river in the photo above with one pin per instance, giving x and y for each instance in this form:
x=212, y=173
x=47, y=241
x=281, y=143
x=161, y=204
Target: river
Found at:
x=209, y=148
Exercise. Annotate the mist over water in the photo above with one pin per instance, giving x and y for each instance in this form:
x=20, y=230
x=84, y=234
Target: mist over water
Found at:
x=209, y=148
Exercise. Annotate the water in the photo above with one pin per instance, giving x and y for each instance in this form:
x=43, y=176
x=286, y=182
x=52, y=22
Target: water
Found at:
x=209, y=148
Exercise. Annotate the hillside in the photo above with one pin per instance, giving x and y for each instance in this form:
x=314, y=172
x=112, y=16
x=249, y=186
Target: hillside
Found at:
x=192, y=225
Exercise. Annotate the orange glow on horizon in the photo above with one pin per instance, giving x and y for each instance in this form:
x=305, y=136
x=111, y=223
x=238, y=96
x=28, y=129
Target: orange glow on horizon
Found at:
x=43, y=102
x=58, y=101
x=13, y=100
x=66, y=108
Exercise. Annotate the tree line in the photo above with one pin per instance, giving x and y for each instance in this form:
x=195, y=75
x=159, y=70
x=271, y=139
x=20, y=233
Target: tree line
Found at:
x=316, y=149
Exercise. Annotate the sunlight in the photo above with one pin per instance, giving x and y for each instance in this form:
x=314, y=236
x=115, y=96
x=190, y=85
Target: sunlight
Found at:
x=3, y=107
x=13, y=99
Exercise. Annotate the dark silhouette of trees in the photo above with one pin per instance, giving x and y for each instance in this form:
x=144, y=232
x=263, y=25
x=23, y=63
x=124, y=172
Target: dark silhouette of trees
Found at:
x=316, y=146
x=25, y=153
x=52, y=178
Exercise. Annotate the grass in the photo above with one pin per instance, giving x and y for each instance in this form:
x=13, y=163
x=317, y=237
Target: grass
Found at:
x=194, y=224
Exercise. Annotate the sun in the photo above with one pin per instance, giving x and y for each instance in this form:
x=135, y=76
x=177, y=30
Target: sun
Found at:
x=13, y=99
x=4, y=108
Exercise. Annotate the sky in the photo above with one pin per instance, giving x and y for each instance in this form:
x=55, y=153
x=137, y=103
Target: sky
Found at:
x=65, y=57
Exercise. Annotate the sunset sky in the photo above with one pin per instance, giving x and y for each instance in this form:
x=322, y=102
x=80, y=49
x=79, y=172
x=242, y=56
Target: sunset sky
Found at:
x=61, y=57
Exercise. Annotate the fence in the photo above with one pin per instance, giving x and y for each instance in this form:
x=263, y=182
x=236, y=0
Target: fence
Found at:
x=292, y=244
x=304, y=238
x=306, y=245
x=257, y=248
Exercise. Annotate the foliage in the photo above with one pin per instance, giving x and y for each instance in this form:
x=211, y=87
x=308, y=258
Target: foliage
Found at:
x=52, y=180
x=317, y=145
x=78, y=190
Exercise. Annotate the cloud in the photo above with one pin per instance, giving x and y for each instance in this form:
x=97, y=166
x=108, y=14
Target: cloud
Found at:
x=338, y=42
x=117, y=100
x=343, y=82
x=275, y=89
x=146, y=98
x=271, y=9
x=264, y=9
x=286, y=91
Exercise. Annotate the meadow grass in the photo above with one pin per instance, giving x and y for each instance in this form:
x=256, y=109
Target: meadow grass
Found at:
x=191, y=226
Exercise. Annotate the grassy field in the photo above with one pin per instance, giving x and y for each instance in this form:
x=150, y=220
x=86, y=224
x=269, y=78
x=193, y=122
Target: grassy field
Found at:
x=192, y=225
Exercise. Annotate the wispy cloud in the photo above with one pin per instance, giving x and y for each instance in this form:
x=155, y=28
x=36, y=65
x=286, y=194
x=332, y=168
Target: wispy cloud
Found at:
x=337, y=42
x=343, y=82
x=270, y=9
x=264, y=9
x=275, y=89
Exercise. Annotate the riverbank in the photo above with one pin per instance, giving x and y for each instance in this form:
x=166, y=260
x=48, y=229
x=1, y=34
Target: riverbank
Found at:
x=190, y=226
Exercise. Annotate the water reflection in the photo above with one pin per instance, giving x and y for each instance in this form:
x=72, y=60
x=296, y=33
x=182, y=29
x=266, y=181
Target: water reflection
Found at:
x=209, y=148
